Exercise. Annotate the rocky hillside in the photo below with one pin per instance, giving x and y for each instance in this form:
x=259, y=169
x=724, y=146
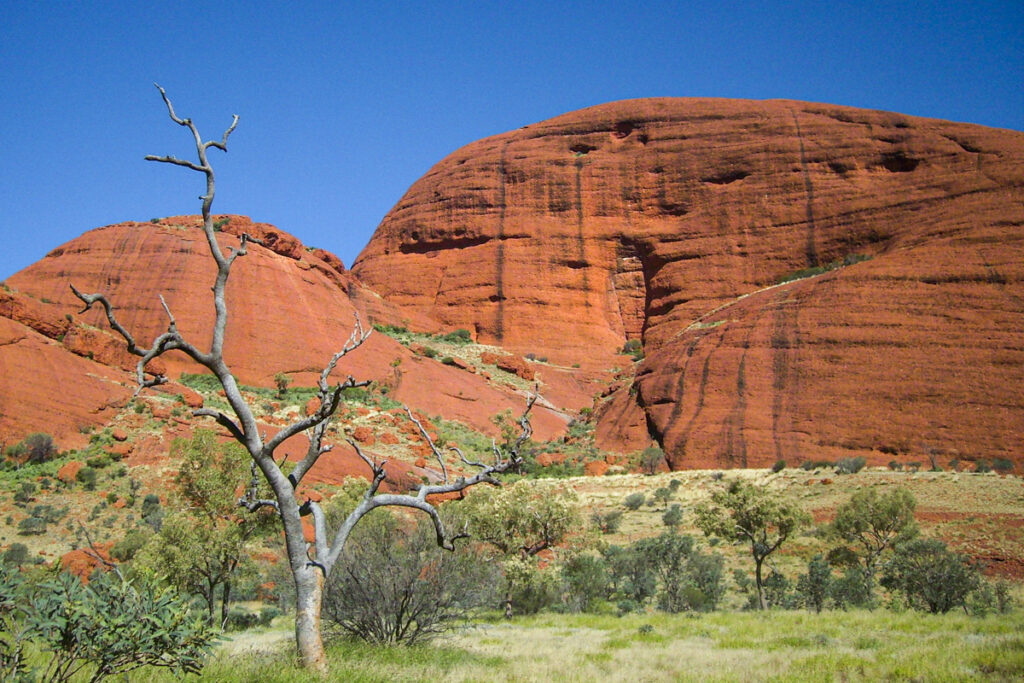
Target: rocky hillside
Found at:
x=64, y=373
x=671, y=221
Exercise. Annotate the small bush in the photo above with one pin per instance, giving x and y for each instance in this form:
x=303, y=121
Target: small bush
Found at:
x=895, y=465
x=607, y=522
x=459, y=336
x=586, y=582
x=32, y=526
x=267, y=614
x=674, y=484
x=87, y=476
x=663, y=495
x=778, y=466
x=634, y=500
x=850, y=465
x=1002, y=465
x=15, y=555
x=399, y=587
x=34, y=448
x=634, y=348
x=240, y=619
x=24, y=492
x=430, y=352
x=98, y=461
x=930, y=575
x=125, y=549
x=673, y=517
x=982, y=467
x=391, y=330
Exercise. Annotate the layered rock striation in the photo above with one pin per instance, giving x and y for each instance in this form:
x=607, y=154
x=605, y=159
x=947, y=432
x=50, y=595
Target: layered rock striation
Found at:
x=672, y=220
x=64, y=372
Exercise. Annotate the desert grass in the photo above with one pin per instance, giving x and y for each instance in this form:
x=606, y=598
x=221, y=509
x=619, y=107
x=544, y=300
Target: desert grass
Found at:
x=857, y=645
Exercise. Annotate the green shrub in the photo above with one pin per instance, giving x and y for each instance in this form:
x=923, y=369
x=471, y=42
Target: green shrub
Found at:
x=850, y=465
x=673, y=517
x=267, y=614
x=651, y=459
x=930, y=575
x=87, y=476
x=152, y=513
x=48, y=513
x=779, y=466
x=110, y=626
x=634, y=348
x=586, y=582
x=459, y=336
x=634, y=500
x=663, y=495
x=240, y=619
x=32, y=526
x=814, y=586
x=1002, y=465
x=25, y=492
x=607, y=522
x=98, y=461
x=15, y=555
x=400, y=587
x=34, y=448
x=200, y=382
x=391, y=330
x=125, y=549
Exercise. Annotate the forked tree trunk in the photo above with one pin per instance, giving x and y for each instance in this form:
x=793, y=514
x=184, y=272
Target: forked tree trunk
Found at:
x=309, y=590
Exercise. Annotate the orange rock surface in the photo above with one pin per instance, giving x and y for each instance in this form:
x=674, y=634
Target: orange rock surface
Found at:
x=666, y=220
x=290, y=310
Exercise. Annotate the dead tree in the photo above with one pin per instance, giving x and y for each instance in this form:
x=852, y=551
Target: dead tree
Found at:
x=310, y=563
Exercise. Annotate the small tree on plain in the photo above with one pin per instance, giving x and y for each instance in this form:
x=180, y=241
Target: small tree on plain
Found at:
x=281, y=381
x=202, y=546
x=873, y=523
x=651, y=459
x=930, y=575
x=743, y=512
x=816, y=584
x=520, y=521
x=310, y=564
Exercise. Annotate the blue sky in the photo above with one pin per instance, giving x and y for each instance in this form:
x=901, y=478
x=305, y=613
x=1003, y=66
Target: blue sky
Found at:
x=344, y=105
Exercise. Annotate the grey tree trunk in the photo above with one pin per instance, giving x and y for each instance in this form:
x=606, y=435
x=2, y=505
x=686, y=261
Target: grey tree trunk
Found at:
x=309, y=589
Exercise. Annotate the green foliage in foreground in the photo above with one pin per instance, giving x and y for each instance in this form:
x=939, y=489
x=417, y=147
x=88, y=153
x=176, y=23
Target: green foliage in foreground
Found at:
x=58, y=628
x=790, y=646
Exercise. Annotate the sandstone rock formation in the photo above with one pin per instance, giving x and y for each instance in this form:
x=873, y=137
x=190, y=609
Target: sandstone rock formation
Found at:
x=291, y=308
x=669, y=220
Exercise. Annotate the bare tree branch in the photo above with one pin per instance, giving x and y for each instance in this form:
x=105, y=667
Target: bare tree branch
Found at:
x=430, y=442
x=95, y=554
x=223, y=420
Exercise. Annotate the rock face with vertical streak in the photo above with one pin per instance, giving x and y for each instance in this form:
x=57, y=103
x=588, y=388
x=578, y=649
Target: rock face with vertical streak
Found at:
x=64, y=372
x=670, y=220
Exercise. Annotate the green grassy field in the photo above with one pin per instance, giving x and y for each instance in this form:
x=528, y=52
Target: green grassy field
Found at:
x=775, y=646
